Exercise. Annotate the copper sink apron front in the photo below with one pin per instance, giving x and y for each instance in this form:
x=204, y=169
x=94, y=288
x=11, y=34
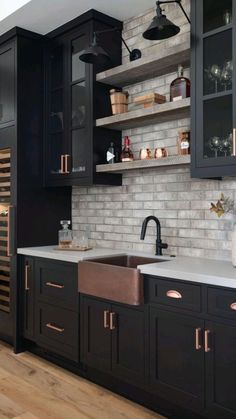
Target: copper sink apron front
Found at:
x=116, y=283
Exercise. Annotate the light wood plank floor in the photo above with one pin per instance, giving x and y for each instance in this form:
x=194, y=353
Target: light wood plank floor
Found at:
x=32, y=388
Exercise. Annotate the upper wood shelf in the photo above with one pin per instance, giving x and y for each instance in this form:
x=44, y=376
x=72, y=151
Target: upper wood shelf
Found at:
x=147, y=67
x=143, y=164
x=141, y=117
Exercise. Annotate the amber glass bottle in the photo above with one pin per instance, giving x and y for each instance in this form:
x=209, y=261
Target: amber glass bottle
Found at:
x=126, y=154
x=180, y=87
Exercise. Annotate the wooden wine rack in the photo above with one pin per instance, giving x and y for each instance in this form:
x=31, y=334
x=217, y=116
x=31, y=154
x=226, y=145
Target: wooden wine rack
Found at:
x=5, y=196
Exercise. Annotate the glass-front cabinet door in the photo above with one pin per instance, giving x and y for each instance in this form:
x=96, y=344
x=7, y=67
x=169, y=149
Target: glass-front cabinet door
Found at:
x=79, y=129
x=213, y=80
x=55, y=125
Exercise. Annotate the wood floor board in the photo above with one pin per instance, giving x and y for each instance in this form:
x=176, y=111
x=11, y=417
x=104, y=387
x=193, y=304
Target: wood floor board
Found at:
x=37, y=389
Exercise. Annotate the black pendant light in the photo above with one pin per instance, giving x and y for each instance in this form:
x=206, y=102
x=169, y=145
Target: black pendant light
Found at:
x=95, y=54
x=161, y=27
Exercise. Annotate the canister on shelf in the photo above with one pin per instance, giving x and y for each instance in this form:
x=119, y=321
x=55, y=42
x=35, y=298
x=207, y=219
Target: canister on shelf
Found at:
x=183, y=143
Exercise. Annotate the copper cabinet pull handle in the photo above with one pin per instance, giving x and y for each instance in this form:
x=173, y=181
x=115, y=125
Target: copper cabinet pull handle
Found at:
x=207, y=333
x=198, y=345
x=233, y=306
x=234, y=142
x=174, y=294
x=9, y=230
x=62, y=164
x=27, y=269
x=66, y=163
x=53, y=285
x=106, y=322
x=112, y=321
x=57, y=329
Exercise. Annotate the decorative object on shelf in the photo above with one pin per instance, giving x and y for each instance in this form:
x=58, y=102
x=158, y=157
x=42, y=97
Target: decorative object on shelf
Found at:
x=180, y=87
x=183, y=143
x=145, y=153
x=126, y=154
x=81, y=238
x=220, y=76
x=225, y=205
x=159, y=153
x=119, y=101
x=149, y=99
x=95, y=54
x=65, y=235
x=161, y=27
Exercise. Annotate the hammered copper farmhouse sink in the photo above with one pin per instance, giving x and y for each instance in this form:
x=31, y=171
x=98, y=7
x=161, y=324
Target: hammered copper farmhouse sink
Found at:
x=114, y=278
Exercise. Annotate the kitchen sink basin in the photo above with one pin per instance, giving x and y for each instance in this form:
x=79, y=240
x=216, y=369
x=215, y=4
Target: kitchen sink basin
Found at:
x=114, y=278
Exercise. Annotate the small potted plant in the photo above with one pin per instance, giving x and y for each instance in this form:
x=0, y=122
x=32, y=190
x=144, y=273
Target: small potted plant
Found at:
x=226, y=205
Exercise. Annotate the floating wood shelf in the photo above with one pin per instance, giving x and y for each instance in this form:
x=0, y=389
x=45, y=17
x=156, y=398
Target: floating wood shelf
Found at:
x=147, y=67
x=141, y=117
x=143, y=164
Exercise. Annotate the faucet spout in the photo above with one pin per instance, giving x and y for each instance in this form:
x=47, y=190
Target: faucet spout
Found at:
x=159, y=244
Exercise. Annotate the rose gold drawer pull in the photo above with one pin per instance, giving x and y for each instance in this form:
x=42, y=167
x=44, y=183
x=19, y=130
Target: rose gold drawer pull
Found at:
x=198, y=338
x=234, y=142
x=57, y=329
x=112, y=321
x=173, y=294
x=53, y=285
x=106, y=322
x=9, y=253
x=27, y=269
x=207, y=333
x=62, y=164
x=66, y=163
x=233, y=306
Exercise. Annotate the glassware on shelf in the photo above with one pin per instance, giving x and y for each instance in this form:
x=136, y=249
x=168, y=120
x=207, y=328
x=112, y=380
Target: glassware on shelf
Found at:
x=215, y=145
x=227, y=17
x=226, y=74
x=215, y=75
x=145, y=154
x=226, y=145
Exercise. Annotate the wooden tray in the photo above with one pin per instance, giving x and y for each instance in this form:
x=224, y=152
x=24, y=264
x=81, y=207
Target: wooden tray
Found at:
x=73, y=248
x=149, y=99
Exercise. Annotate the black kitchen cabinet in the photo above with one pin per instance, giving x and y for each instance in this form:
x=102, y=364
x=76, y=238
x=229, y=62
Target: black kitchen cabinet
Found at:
x=221, y=370
x=213, y=94
x=113, y=339
x=29, y=213
x=176, y=364
x=29, y=298
x=73, y=145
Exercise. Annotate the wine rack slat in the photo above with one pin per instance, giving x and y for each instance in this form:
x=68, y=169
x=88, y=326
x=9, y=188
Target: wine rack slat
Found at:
x=5, y=156
x=3, y=228
x=4, y=278
x=4, y=288
x=3, y=238
x=5, y=308
x=5, y=193
x=4, y=259
x=4, y=298
x=3, y=218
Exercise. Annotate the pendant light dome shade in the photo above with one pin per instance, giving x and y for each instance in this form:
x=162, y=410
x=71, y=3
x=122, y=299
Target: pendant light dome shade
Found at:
x=95, y=54
x=161, y=28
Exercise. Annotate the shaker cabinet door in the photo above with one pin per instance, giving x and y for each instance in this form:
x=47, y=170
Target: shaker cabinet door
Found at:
x=7, y=84
x=176, y=360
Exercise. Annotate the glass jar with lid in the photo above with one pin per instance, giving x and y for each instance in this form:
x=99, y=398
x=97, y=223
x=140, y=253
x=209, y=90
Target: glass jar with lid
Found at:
x=65, y=234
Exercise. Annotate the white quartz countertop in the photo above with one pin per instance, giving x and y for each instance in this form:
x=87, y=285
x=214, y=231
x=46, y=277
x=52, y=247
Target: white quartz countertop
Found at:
x=206, y=271
x=49, y=252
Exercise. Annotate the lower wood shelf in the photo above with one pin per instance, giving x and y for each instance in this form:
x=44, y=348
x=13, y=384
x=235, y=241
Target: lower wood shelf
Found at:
x=143, y=164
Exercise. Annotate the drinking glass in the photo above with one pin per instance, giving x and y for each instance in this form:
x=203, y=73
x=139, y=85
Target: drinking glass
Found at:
x=226, y=74
x=226, y=145
x=215, y=145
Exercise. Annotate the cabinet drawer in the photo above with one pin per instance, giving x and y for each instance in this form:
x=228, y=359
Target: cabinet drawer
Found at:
x=57, y=284
x=221, y=302
x=174, y=293
x=57, y=330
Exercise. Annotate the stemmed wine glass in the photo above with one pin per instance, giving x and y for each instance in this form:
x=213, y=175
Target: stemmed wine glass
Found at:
x=226, y=145
x=215, y=145
x=226, y=74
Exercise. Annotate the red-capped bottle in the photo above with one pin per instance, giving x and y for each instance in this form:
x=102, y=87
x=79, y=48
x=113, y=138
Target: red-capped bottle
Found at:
x=126, y=154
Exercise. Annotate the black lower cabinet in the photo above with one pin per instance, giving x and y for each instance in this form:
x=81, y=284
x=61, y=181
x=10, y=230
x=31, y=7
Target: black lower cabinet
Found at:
x=176, y=366
x=221, y=371
x=113, y=339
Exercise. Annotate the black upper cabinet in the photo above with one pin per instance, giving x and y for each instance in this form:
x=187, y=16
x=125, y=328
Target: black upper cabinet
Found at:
x=73, y=146
x=7, y=84
x=213, y=91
